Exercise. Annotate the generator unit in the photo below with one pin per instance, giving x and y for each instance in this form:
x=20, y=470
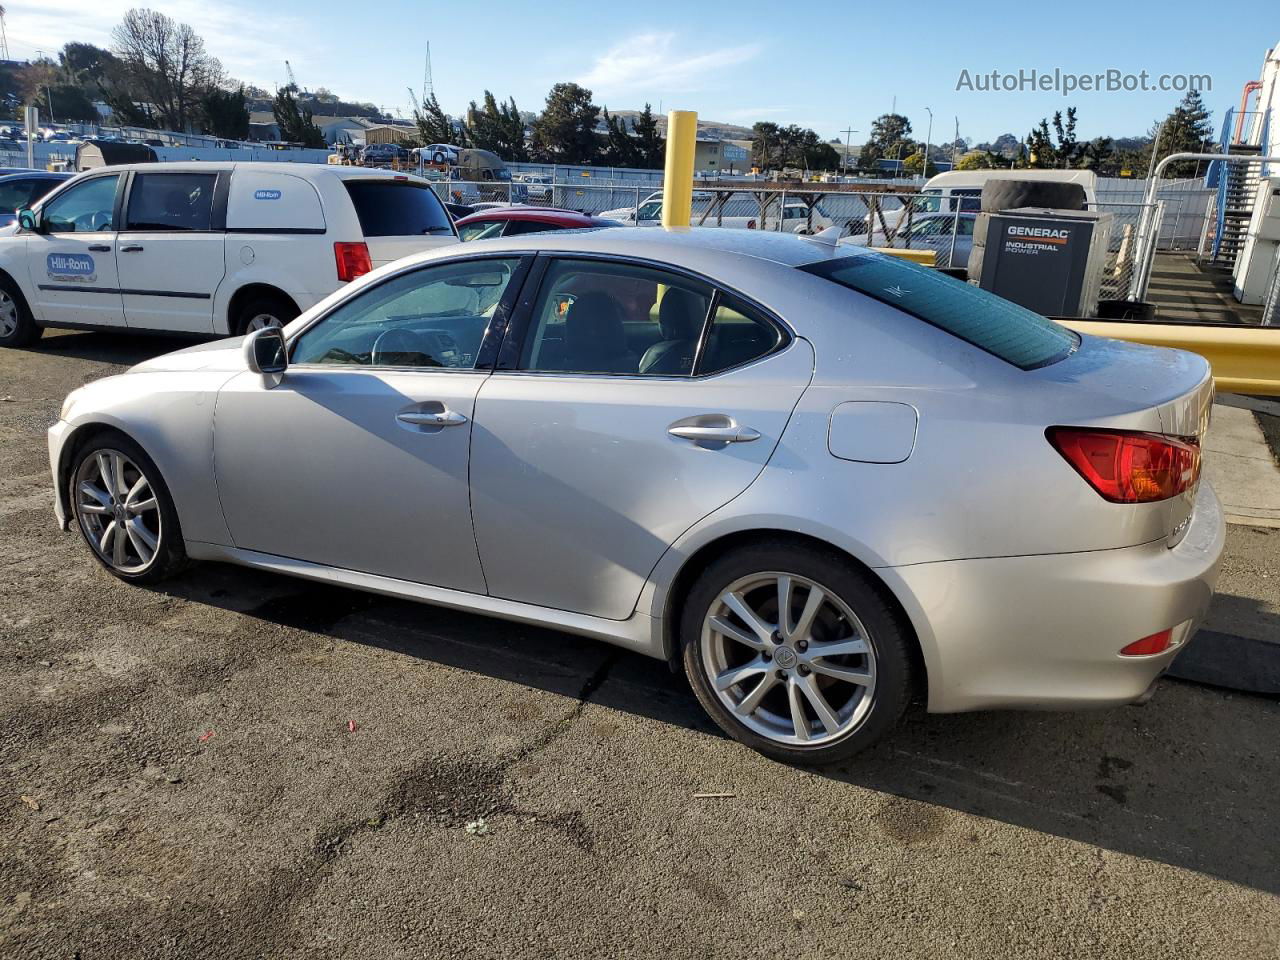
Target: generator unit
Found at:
x=1255, y=268
x=1049, y=261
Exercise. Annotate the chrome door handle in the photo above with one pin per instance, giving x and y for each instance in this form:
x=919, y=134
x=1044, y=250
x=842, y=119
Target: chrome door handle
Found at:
x=99, y=248
x=729, y=434
x=440, y=418
x=131, y=248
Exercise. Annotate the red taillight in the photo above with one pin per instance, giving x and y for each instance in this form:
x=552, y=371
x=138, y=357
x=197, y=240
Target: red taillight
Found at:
x=1130, y=467
x=1156, y=643
x=352, y=259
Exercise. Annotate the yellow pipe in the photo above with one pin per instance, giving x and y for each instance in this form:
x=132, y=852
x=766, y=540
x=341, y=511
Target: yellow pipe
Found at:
x=924, y=257
x=1244, y=359
x=677, y=181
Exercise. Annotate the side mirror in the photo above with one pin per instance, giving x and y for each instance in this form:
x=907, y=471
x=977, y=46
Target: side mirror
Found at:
x=266, y=352
x=27, y=219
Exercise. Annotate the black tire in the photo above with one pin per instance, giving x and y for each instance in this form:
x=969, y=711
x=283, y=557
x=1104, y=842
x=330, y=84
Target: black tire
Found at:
x=20, y=329
x=1002, y=194
x=279, y=307
x=890, y=638
x=169, y=554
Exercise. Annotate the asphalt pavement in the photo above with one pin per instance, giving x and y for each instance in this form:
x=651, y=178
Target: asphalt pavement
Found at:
x=242, y=765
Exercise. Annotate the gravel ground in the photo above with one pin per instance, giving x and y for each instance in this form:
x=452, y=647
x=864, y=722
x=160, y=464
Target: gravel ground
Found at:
x=241, y=765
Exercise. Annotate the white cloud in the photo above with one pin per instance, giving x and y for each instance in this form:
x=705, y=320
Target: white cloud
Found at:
x=246, y=40
x=651, y=61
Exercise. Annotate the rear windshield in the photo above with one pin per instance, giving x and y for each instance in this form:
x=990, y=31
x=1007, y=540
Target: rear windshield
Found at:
x=397, y=208
x=1010, y=332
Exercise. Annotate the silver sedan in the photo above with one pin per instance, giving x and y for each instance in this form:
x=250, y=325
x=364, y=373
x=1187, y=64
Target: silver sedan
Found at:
x=824, y=482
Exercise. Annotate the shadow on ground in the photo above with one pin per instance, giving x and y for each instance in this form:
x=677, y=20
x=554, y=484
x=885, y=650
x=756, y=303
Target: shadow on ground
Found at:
x=1186, y=780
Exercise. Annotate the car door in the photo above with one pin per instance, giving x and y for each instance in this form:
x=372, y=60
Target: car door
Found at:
x=71, y=259
x=583, y=470
x=170, y=252
x=357, y=458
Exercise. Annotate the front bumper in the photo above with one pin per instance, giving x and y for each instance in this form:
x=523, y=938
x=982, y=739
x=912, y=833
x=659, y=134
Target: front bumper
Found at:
x=1046, y=631
x=57, y=437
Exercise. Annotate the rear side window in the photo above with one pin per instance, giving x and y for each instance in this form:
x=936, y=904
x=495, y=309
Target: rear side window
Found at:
x=397, y=208
x=1010, y=332
x=171, y=201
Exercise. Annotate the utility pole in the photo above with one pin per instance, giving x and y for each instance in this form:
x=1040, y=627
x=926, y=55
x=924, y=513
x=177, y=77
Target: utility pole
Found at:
x=847, y=134
x=928, y=140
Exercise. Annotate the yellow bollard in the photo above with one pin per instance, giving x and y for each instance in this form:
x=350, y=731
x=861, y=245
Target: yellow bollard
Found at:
x=677, y=181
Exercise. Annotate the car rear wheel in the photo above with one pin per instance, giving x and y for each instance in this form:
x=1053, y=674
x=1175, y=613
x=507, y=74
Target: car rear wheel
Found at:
x=17, y=327
x=124, y=511
x=795, y=653
x=262, y=312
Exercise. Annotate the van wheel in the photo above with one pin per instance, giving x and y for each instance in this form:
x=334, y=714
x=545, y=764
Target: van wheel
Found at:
x=17, y=327
x=264, y=311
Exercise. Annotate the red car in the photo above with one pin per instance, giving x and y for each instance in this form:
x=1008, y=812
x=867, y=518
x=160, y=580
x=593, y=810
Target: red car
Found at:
x=509, y=221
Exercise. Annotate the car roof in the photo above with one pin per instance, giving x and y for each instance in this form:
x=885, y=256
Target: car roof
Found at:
x=676, y=245
x=36, y=175
x=556, y=215
x=259, y=166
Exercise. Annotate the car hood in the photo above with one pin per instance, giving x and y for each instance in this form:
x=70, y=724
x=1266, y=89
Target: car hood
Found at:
x=215, y=355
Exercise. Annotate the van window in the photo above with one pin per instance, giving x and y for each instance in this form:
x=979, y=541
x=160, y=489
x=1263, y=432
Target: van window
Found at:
x=1006, y=330
x=171, y=201
x=398, y=208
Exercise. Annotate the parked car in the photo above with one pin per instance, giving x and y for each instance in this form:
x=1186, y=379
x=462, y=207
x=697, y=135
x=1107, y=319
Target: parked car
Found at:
x=538, y=186
x=205, y=247
x=651, y=207
x=459, y=210
x=380, y=154
x=511, y=221
x=796, y=216
x=884, y=484
x=949, y=235
x=18, y=190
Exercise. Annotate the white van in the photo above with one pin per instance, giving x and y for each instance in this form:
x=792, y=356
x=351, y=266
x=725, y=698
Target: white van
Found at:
x=205, y=248
x=961, y=190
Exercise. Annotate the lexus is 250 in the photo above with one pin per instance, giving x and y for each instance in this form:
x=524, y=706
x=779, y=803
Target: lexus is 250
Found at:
x=821, y=481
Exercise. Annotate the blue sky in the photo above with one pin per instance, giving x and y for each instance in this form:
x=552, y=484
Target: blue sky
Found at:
x=738, y=62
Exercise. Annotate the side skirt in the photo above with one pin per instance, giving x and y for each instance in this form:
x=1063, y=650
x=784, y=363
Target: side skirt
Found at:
x=639, y=633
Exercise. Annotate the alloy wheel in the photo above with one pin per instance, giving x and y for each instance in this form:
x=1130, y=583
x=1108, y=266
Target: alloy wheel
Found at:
x=261, y=321
x=789, y=659
x=8, y=315
x=118, y=510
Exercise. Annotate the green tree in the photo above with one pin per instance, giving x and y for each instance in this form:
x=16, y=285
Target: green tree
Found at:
x=621, y=148
x=1186, y=130
x=652, y=147
x=821, y=156
x=434, y=125
x=566, y=130
x=225, y=113
x=765, y=143
x=497, y=127
x=295, y=122
x=890, y=139
x=980, y=160
x=915, y=162
x=1046, y=152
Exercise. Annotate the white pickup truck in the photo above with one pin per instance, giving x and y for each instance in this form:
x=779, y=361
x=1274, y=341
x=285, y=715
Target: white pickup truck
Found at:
x=796, y=217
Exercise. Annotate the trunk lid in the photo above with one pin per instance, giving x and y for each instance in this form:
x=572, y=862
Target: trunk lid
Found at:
x=383, y=250
x=1128, y=386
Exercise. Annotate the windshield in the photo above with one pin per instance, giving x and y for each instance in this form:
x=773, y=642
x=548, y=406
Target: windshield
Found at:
x=1001, y=328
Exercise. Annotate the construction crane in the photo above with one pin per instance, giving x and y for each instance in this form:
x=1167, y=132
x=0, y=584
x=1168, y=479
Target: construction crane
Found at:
x=413, y=98
x=4, y=40
x=293, y=81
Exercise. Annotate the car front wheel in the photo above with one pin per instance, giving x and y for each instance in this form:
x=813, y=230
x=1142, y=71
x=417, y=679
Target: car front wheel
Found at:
x=795, y=653
x=123, y=510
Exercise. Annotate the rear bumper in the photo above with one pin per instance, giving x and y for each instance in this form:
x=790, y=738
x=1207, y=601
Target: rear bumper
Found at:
x=1046, y=631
